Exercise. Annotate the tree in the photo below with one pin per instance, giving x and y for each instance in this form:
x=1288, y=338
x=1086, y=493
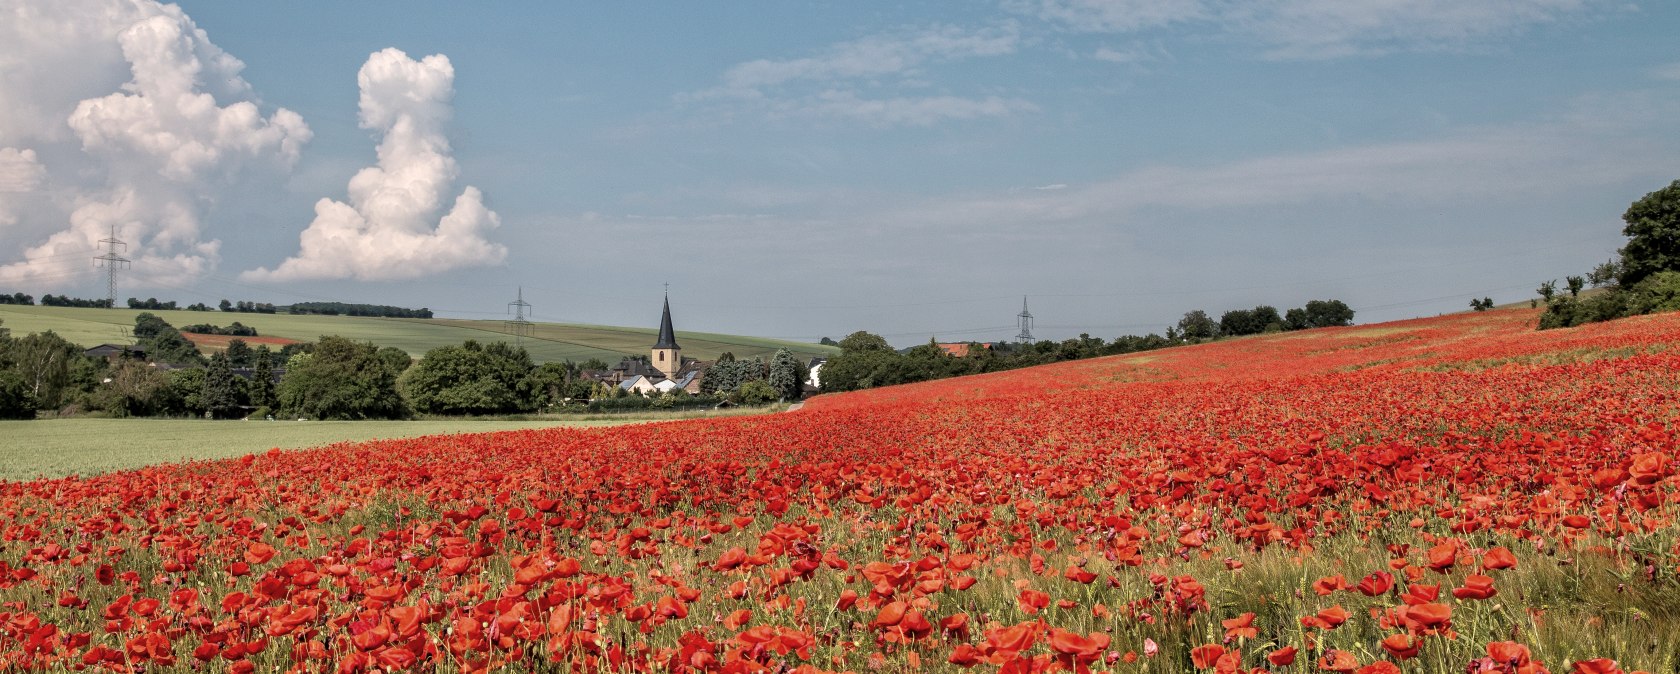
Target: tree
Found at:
x=184, y=396
x=862, y=342
x=341, y=379
x=865, y=361
x=472, y=378
x=1548, y=290
x=46, y=362
x=262, y=378
x=163, y=343
x=754, y=392
x=1328, y=313
x=828, y=342
x=221, y=388
x=239, y=353
x=1240, y=322
x=15, y=400
x=1604, y=274
x=724, y=377
x=786, y=375
x=134, y=389
x=1197, y=325
x=394, y=358
x=225, y=305
x=1575, y=284
x=1653, y=231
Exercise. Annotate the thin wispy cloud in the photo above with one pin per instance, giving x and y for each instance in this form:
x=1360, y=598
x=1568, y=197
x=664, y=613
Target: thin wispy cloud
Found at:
x=1112, y=16
x=1315, y=29
x=1668, y=72
x=831, y=84
x=1319, y=29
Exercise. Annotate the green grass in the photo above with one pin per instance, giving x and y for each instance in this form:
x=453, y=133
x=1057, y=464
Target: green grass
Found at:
x=60, y=447
x=549, y=341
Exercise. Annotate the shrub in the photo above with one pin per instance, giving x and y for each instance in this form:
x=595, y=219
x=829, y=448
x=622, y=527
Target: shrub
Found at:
x=755, y=392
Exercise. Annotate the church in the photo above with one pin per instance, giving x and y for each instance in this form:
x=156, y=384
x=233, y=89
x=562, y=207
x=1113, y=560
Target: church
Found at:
x=665, y=369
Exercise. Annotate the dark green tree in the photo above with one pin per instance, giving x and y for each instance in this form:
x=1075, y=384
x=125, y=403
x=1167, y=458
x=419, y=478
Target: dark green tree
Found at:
x=183, y=396
x=755, y=392
x=1575, y=284
x=262, y=378
x=163, y=343
x=1653, y=231
x=341, y=379
x=15, y=399
x=1328, y=313
x=239, y=353
x=865, y=361
x=221, y=388
x=1238, y=322
x=786, y=375
x=396, y=359
x=1197, y=325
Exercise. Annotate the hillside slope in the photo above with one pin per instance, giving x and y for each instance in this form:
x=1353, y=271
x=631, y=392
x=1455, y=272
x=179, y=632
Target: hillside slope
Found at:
x=549, y=341
x=1354, y=497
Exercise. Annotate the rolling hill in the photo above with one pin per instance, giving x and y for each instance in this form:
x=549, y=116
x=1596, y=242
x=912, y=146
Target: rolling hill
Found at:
x=547, y=341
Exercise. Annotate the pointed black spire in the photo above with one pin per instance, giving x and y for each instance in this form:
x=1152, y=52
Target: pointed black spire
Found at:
x=667, y=336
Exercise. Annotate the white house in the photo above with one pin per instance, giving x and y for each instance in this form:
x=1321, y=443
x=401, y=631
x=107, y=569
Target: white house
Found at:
x=814, y=379
x=640, y=385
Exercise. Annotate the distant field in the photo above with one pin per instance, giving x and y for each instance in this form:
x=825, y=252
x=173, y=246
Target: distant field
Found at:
x=550, y=341
x=60, y=447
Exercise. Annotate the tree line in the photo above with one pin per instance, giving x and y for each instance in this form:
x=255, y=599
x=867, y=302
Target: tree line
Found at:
x=50, y=300
x=343, y=309
x=1197, y=325
x=234, y=329
x=241, y=306
x=866, y=360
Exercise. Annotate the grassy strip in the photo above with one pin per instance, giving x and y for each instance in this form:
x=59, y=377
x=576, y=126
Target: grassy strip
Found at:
x=61, y=447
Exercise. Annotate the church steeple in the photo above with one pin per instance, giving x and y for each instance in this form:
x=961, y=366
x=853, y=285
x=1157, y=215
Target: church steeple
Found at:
x=667, y=336
x=667, y=356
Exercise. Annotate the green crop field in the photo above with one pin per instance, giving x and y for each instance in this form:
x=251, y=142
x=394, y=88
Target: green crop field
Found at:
x=60, y=447
x=548, y=341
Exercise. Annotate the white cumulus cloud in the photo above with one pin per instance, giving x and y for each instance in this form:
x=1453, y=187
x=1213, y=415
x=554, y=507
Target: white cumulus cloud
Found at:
x=150, y=118
x=394, y=226
x=20, y=173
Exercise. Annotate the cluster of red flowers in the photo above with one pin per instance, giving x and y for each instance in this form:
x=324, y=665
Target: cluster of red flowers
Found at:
x=1069, y=517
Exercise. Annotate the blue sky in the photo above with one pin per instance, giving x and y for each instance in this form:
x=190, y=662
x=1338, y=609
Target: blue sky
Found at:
x=804, y=170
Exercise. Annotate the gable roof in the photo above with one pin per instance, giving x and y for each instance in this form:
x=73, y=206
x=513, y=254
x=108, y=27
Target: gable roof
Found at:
x=960, y=349
x=667, y=336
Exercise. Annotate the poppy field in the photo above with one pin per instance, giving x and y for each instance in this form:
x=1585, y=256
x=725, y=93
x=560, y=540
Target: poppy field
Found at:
x=1455, y=494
